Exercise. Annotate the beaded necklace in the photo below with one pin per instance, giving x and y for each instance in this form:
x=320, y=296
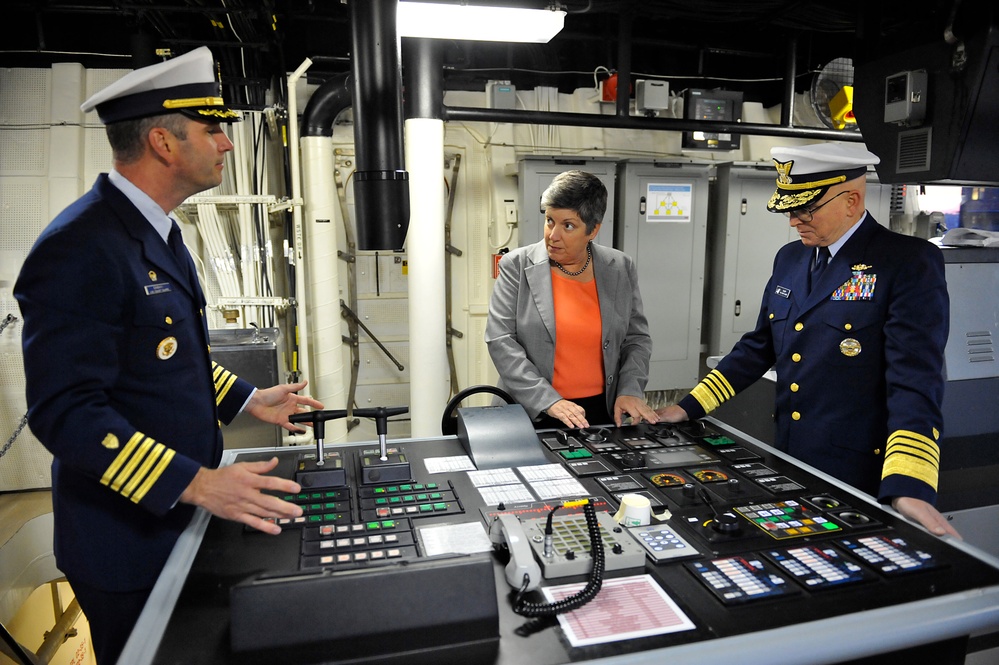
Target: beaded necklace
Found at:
x=589, y=255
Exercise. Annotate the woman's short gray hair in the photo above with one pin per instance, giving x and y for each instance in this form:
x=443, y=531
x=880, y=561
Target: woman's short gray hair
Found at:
x=579, y=191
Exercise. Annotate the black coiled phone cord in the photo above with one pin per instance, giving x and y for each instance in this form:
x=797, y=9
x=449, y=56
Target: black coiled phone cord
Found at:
x=527, y=608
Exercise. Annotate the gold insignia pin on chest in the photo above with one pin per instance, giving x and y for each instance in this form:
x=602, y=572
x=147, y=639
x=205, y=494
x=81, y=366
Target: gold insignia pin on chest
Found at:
x=849, y=347
x=166, y=348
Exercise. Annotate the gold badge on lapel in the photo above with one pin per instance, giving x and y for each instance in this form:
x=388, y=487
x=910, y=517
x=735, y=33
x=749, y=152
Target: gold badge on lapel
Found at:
x=860, y=267
x=110, y=442
x=166, y=348
x=152, y=275
x=849, y=347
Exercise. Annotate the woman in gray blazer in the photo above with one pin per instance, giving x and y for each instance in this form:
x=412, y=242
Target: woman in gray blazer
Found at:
x=565, y=329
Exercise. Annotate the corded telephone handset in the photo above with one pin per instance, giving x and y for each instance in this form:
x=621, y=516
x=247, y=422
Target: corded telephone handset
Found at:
x=523, y=572
x=508, y=530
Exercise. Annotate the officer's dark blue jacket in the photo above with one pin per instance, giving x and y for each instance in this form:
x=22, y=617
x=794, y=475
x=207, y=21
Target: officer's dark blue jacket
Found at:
x=859, y=361
x=121, y=388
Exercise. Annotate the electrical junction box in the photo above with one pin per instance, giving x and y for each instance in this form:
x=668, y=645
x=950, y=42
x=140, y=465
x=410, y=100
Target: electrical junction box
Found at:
x=651, y=96
x=905, y=97
x=501, y=95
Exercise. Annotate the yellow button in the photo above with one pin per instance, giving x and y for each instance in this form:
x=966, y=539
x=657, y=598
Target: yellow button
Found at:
x=201, y=312
x=848, y=327
x=877, y=451
x=796, y=357
x=799, y=326
x=771, y=315
x=794, y=387
x=169, y=321
x=795, y=416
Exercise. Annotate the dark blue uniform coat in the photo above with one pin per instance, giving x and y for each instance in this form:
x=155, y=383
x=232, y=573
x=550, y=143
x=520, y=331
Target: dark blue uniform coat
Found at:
x=121, y=388
x=859, y=361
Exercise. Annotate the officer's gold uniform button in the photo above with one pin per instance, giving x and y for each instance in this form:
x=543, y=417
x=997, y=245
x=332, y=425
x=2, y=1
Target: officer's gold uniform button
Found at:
x=771, y=315
x=794, y=387
x=795, y=416
x=848, y=326
x=877, y=451
x=799, y=326
x=796, y=357
x=169, y=321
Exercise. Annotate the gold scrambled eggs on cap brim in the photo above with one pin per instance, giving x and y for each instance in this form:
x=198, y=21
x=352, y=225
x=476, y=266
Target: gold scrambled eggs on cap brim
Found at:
x=805, y=173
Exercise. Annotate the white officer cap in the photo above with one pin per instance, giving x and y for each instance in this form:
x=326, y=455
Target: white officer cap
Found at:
x=185, y=84
x=805, y=172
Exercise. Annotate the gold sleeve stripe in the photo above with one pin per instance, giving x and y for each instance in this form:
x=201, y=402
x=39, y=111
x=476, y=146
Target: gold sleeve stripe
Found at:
x=712, y=391
x=916, y=443
x=139, y=475
x=154, y=476
x=132, y=464
x=121, y=458
x=221, y=393
x=913, y=455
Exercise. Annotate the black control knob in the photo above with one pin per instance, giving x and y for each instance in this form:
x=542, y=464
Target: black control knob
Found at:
x=617, y=549
x=726, y=523
x=570, y=555
x=689, y=491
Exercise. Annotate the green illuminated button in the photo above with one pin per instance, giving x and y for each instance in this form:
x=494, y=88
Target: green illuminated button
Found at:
x=829, y=526
x=432, y=486
x=421, y=497
x=315, y=495
x=388, y=524
x=379, y=490
x=381, y=501
x=330, y=517
x=395, y=499
x=409, y=498
x=418, y=487
x=315, y=518
x=406, y=488
x=436, y=495
x=373, y=526
x=426, y=508
x=329, y=506
x=314, y=507
x=440, y=506
x=393, y=489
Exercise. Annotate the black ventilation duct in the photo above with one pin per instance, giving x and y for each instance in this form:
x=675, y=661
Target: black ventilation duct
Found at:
x=381, y=184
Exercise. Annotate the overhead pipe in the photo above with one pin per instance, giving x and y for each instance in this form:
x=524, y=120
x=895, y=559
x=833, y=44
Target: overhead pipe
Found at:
x=625, y=20
x=790, y=73
x=381, y=183
x=470, y=114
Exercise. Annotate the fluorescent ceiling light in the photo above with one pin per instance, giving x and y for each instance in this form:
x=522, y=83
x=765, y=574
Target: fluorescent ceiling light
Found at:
x=492, y=24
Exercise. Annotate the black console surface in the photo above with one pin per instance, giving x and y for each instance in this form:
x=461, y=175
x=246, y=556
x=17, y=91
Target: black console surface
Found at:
x=753, y=545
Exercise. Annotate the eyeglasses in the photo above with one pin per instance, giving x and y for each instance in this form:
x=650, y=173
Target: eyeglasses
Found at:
x=805, y=215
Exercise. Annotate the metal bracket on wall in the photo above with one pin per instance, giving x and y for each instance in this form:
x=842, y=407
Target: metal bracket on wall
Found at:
x=451, y=250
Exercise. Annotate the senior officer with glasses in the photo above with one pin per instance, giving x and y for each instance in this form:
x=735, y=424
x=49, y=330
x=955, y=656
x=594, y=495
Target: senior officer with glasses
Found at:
x=855, y=318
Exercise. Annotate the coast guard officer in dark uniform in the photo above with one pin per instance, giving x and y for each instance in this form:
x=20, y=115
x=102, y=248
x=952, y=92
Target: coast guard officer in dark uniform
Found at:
x=121, y=387
x=855, y=319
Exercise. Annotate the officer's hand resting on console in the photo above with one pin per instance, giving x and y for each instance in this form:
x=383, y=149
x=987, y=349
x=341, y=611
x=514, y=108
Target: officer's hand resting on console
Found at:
x=566, y=329
x=855, y=319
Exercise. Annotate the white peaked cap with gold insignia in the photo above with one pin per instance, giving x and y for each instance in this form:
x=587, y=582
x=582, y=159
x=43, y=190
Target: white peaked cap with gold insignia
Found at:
x=186, y=84
x=805, y=172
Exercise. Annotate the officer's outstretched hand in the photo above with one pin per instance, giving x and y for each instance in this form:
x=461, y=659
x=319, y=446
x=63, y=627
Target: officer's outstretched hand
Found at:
x=672, y=414
x=234, y=493
x=275, y=404
x=926, y=514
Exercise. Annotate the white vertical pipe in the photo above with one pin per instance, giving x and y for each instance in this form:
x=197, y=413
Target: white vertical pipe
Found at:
x=429, y=387
x=323, y=272
x=302, y=362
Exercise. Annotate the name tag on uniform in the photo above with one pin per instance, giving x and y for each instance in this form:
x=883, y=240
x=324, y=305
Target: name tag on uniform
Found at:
x=156, y=289
x=783, y=291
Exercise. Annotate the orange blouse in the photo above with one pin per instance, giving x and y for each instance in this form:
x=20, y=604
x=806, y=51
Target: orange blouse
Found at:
x=579, y=358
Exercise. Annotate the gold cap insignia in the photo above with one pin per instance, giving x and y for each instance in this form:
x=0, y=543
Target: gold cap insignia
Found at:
x=784, y=171
x=166, y=348
x=152, y=275
x=849, y=347
x=861, y=266
x=110, y=442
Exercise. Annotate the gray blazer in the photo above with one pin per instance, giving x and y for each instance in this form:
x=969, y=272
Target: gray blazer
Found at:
x=520, y=330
